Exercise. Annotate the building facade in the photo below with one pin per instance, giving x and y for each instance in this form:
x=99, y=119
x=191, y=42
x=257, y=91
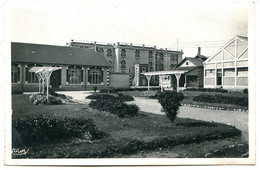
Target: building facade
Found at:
x=81, y=69
x=125, y=56
x=189, y=73
x=228, y=67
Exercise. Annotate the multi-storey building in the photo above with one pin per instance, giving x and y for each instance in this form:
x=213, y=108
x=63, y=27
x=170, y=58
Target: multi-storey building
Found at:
x=124, y=56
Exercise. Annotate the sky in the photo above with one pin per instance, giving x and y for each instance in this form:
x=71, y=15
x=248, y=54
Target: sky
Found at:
x=160, y=23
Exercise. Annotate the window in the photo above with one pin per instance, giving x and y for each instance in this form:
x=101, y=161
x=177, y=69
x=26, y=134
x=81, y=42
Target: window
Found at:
x=229, y=72
x=74, y=75
x=123, y=64
x=123, y=52
x=99, y=49
x=150, y=54
x=95, y=75
x=143, y=69
x=187, y=63
x=137, y=53
x=160, y=66
x=210, y=73
x=109, y=52
x=31, y=77
x=172, y=57
x=242, y=71
x=172, y=66
x=15, y=71
x=161, y=55
x=150, y=66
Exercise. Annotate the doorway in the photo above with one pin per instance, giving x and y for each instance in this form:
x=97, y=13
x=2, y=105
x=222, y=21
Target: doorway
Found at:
x=219, y=77
x=55, y=80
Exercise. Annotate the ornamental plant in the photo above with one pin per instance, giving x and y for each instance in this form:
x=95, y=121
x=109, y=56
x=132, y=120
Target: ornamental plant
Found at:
x=114, y=105
x=170, y=102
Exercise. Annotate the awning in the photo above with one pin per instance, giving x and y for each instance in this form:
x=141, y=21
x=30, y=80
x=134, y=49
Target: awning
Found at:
x=180, y=70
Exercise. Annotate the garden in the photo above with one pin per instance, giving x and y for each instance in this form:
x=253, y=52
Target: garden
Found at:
x=110, y=128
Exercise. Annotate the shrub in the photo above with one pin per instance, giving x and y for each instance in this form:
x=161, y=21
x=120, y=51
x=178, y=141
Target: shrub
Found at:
x=95, y=89
x=170, y=101
x=17, y=92
x=115, y=90
x=103, y=91
x=240, y=101
x=221, y=90
x=115, y=106
x=245, y=91
x=42, y=99
x=38, y=130
x=123, y=97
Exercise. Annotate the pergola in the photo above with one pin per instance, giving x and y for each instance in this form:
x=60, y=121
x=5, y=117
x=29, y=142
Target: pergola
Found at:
x=43, y=74
x=161, y=74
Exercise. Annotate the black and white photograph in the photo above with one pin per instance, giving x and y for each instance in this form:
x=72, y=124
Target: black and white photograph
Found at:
x=134, y=82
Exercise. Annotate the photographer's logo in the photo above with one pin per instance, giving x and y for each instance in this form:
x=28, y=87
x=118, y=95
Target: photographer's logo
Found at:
x=18, y=151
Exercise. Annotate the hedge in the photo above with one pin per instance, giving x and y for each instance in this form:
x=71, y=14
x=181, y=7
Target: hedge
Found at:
x=240, y=101
x=121, y=96
x=49, y=129
x=115, y=90
x=207, y=90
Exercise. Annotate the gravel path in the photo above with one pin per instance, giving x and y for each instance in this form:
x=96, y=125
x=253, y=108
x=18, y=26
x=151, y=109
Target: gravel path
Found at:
x=235, y=118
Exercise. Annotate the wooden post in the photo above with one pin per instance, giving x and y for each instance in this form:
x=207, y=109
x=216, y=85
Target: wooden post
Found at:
x=177, y=75
x=47, y=93
x=148, y=80
x=161, y=78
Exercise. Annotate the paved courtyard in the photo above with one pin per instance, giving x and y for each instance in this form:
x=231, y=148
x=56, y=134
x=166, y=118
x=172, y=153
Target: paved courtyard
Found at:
x=235, y=118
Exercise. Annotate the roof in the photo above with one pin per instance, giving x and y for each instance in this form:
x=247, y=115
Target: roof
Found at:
x=44, y=69
x=201, y=57
x=234, y=39
x=49, y=54
x=196, y=61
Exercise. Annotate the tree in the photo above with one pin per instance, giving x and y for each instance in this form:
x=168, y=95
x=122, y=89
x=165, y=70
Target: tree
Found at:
x=170, y=101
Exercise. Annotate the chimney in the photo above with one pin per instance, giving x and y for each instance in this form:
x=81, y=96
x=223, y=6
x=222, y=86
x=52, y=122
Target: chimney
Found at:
x=199, y=50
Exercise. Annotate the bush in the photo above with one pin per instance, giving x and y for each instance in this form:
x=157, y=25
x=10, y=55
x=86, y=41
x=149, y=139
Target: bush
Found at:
x=114, y=105
x=115, y=90
x=17, y=92
x=53, y=93
x=123, y=97
x=245, y=91
x=170, y=101
x=44, y=130
x=221, y=90
x=240, y=101
x=95, y=89
x=42, y=99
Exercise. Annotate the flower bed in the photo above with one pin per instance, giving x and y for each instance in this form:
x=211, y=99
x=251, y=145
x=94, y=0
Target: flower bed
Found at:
x=207, y=98
x=42, y=99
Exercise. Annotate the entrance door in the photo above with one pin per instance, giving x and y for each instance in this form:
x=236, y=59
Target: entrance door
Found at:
x=55, y=79
x=219, y=77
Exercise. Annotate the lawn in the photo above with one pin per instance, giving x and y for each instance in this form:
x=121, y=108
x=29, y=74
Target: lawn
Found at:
x=140, y=136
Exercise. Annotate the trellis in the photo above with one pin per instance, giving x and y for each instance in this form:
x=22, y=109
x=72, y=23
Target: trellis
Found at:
x=43, y=74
